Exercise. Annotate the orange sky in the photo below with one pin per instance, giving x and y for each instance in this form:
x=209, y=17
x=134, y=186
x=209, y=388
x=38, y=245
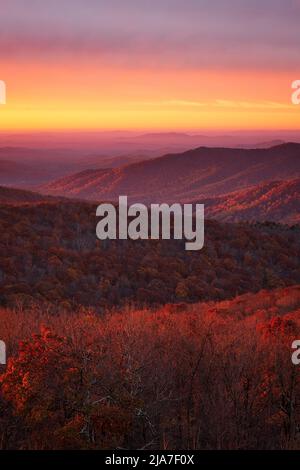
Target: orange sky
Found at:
x=69, y=96
x=163, y=65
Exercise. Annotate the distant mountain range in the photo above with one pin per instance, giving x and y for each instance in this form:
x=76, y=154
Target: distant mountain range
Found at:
x=200, y=173
x=20, y=174
x=235, y=184
x=27, y=167
x=32, y=166
x=115, y=143
x=262, y=145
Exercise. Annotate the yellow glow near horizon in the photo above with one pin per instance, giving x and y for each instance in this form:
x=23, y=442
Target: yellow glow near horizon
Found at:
x=62, y=97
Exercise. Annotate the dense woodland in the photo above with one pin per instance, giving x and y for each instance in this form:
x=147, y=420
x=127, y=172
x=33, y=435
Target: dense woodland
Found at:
x=49, y=254
x=202, y=376
x=131, y=344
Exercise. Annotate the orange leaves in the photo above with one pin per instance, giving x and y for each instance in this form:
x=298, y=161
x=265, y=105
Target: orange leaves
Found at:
x=201, y=375
x=38, y=361
x=280, y=329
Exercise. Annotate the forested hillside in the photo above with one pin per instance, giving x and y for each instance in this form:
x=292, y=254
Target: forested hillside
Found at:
x=276, y=201
x=197, y=173
x=50, y=253
x=202, y=376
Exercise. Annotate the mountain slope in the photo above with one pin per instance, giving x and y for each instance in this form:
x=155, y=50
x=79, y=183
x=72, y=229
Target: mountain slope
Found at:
x=184, y=176
x=13, y=196
x=50, y=252
x=277, y=201
x=18, y=173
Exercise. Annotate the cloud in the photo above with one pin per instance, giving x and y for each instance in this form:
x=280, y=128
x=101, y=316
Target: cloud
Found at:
x=161, y=33
x=252, y=105
x=218, y=103
x=171, y=103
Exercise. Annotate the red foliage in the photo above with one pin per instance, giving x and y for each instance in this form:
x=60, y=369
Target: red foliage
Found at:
x=203, y=376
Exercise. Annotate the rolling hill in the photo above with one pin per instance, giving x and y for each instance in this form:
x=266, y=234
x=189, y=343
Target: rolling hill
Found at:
x=13, y=196
x=19, y=173
x=49, y=252
x=277, y=201
x=202, y=172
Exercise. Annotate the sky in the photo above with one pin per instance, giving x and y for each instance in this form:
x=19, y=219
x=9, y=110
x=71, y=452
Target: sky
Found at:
x=160, y=64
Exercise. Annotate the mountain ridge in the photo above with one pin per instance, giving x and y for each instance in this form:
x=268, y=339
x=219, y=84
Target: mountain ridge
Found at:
x=180, y=177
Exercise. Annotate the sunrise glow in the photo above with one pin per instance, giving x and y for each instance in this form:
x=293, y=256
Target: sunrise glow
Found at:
x=93, y=78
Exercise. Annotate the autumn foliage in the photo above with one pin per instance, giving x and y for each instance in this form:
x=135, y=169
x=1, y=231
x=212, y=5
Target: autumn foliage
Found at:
x=203, y=376
x=141, y=344
x=49, y=254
